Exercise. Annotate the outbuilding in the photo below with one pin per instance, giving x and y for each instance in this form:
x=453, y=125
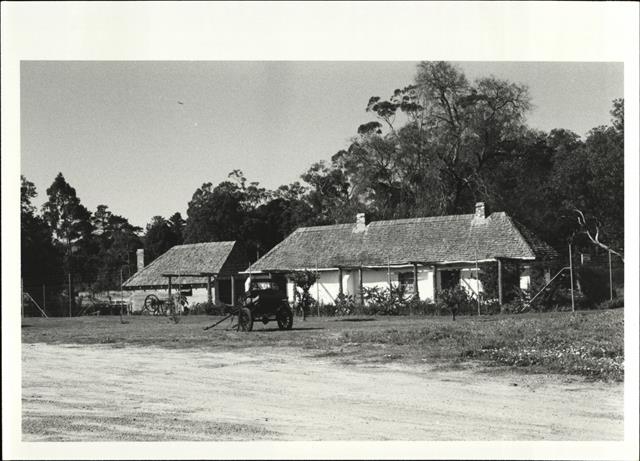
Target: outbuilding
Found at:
x=203, y=272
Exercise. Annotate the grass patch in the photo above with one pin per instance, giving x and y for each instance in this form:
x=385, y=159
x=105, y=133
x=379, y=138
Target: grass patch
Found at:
x=588, y=343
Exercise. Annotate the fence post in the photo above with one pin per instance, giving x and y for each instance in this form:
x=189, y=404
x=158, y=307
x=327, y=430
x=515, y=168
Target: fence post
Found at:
x=44, y=298
x=500, y=285
x=477, y=283
x=610, y=279
x=70, y=294
x=317, y=289
x=121, y=292
x=573, y=306
x=360, y=283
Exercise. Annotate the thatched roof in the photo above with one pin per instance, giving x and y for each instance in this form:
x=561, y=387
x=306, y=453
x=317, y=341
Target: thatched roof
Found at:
x=440, y=239
x=222, y=258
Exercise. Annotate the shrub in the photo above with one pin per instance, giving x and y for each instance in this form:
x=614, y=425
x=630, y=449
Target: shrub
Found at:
x=489, y=278
x=489, y=306
x=415, y=306
x=611, y=303
x=456, y=301
x=304, y=280
x=594, y=284
x=345, y=305
x=386, y=301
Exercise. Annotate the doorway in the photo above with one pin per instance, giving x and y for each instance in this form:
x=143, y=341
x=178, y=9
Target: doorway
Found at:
x=449, y=278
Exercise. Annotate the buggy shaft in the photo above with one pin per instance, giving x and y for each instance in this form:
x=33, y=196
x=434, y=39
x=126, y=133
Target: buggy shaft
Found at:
x=219, y=322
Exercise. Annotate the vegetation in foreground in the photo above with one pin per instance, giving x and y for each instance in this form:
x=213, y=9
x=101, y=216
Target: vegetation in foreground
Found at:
x=589, y=344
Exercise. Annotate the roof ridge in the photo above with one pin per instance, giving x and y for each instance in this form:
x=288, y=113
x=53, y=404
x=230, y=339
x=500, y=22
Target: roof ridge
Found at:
x=183, y=245
x=422, y=219
x=323, y=227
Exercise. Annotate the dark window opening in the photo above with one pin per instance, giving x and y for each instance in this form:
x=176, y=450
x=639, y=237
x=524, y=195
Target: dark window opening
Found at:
x=407, y=283
x=225, y=291
x=449, y=278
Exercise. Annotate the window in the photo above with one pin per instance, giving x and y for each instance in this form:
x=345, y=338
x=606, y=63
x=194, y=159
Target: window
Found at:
x=406, y=282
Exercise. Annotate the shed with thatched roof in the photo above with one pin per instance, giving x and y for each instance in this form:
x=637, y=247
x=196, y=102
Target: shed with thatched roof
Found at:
x=204, y=272
x=424, y=255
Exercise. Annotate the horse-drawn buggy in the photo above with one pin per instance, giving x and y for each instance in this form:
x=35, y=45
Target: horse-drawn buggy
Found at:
x=265, y=301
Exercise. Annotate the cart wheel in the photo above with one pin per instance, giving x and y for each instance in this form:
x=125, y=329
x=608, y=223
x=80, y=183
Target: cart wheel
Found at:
x=284, y=316
x=245, y=319
x=150, y=303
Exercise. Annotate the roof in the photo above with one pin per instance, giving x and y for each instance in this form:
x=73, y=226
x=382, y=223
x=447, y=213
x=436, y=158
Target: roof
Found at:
x=438, y=239
x=223, y=258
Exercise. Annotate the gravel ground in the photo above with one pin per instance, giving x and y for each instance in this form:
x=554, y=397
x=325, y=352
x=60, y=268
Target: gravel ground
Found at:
x=106, y=393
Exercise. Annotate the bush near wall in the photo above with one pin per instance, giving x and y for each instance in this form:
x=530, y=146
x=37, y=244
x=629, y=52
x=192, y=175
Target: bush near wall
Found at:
x=488, y=275
x=207, y=309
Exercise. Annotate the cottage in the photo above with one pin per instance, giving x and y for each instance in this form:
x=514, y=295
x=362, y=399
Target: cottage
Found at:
x=425, y=255
x=204, y=272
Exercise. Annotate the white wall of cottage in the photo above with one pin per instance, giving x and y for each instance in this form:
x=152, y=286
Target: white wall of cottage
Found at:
x=327, y=287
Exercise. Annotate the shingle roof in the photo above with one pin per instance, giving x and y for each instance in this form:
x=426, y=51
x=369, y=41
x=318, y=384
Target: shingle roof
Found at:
x=224, y=258
x=434, y=239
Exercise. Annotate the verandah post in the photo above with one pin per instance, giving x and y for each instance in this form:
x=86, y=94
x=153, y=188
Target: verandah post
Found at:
x=233, y=290
x=500, y=285
x=435, y=283
x=360, y=282
x=209, y=295
x=340, y=290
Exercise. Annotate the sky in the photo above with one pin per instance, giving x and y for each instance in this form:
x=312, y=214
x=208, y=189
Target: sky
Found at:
x=142, y=136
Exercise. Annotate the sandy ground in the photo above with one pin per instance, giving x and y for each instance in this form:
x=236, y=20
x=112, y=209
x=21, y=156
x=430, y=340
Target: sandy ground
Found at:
x=87, y=393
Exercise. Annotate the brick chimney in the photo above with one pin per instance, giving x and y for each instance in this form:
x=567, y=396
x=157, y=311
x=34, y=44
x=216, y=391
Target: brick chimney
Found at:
x=140, y=258
x=361, y=222
x=480, y=214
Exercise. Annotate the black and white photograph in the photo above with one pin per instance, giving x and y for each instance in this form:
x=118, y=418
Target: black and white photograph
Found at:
x=273, y=249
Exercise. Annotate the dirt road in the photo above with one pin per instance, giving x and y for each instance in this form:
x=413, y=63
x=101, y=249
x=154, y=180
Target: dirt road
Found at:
x=87, y=393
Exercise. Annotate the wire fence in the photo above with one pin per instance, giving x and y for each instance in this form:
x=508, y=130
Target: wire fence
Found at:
x=102, y=296
x=598, y=276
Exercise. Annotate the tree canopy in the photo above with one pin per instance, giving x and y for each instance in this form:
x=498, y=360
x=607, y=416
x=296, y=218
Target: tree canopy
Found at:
x=433, y=147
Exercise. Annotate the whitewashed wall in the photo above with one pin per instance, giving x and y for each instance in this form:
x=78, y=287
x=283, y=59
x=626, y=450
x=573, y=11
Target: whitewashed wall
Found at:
x=468, y=281
x=425, y=284
x=327, y=288
x=525, y=277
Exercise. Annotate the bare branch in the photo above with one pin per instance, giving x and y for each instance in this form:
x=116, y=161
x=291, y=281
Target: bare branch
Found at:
x=595, y=239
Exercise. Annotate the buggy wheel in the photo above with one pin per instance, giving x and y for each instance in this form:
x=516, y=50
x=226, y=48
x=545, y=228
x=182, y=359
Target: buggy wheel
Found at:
x=150, y=305
x=284, y=316
x=245, y=319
